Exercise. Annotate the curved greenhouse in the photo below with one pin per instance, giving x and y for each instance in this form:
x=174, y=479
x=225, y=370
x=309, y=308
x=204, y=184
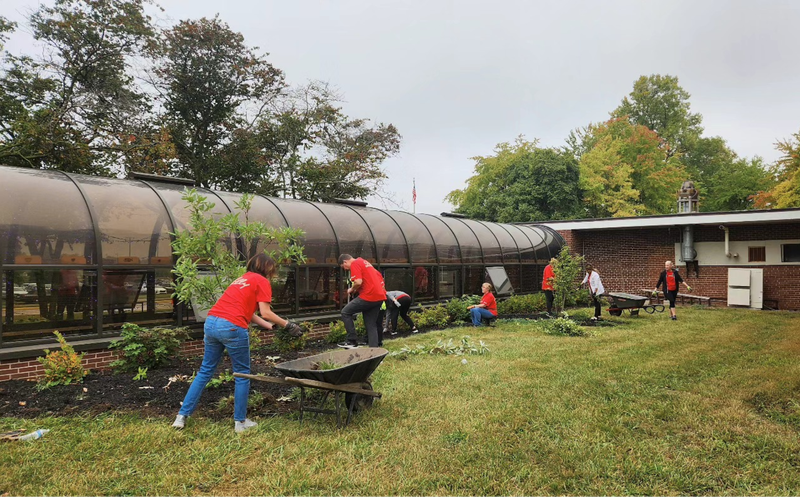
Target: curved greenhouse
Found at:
x=82, y=254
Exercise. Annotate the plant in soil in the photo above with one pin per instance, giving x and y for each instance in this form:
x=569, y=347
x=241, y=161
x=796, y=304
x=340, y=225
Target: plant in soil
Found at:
x=141, y=375
x=148, y=348
x=465, y=346
x=61, y=367
x=567, y=269
x=224, y=377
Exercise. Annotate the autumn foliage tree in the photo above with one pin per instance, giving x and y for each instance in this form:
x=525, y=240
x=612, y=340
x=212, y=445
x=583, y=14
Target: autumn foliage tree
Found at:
x=786, y=171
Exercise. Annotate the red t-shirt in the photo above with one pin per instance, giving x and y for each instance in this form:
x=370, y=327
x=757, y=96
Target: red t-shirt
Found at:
x=372, y=287
x=671, y=284
x=489, y=301
x=241, y=299
x=547, y=283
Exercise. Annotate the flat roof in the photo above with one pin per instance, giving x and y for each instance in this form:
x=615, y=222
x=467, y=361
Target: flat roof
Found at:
x=671, y=220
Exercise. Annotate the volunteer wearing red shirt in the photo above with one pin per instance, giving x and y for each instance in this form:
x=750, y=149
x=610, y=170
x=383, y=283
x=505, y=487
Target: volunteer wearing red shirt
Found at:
x=368, y=282
x=671, y=279
x=547, y=285
x=226, y=328
x=486, y=309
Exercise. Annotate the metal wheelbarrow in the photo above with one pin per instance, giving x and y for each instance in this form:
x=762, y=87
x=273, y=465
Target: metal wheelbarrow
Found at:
x=345, y=373
x=633, y=303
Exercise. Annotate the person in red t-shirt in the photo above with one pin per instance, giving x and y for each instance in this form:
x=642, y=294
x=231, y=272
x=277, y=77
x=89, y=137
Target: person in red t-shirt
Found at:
x=548, y=278
x=226, y=328
x=671, y=280
x=369, y=285
x=487, y=309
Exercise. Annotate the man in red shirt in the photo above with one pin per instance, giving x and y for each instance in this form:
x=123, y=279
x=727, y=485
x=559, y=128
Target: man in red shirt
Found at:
x=548, y=279
x=368, y=282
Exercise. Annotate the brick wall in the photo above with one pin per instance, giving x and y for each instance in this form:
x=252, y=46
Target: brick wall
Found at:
x=31, y=368
x=629, y=260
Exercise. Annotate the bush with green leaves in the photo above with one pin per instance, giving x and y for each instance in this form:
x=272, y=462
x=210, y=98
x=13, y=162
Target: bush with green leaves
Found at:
x=567, y=269
x=567, y=327
x=61, y=367
x=146, y=347
x=522, y=304
x=432, y=317
x=337, y=333
x=209, y=260
x=457, y=307
x=283, y=341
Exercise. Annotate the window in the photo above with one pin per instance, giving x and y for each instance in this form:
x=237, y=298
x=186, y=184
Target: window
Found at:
x=449, y=282
x=756, y=254
x=790, y=252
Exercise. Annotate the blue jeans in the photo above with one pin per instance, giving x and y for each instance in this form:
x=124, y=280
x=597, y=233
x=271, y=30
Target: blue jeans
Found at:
x=479, y=313
x=221, y=335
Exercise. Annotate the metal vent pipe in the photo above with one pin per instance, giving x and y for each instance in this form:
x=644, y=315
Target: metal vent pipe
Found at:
x=688, y=253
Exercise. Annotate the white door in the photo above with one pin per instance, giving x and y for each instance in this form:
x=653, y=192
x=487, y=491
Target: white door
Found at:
x=757, y=288
x=738, y=286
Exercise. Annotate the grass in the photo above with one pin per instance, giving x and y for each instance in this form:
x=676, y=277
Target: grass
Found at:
x=709, y=404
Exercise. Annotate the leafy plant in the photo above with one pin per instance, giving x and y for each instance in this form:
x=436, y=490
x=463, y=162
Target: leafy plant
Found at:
x=255, y=337
x=284, y=341
x=463, y=347
x=522, y=304
x=567, y=269
x=208, y=247
x=326, y=365
x=224, y=377
x=141, y=375
x=61, y=367
x=432, y=317
x=146, y=347
x=337, y=332
x=457, y=307
x=566, y=326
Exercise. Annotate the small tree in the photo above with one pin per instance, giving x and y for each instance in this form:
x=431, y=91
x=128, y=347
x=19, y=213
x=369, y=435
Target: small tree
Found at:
x=567, y=269
x=214, y=250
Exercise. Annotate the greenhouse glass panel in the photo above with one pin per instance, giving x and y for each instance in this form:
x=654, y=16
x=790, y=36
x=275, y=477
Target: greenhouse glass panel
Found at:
x=424, y=283
x=318, y=289
x=526, y=252
x=446, y=242
x=261, y=211
x=419, y=238
x=539, y=245
x=491, y=247
x=134, y=225
x=172, y=195
x=391, y=244
x=319, y=242
x=470, y=245
x=47, y=224
x=507, y=243
x=354, y=235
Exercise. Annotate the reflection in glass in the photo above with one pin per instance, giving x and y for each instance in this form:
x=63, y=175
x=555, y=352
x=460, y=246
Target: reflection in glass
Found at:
x=399, y=279
x=134, y=226
x=43, y=219
x=419, y=239
x=317, y=289
x=391, y=244
x=473, y=280
x=424, y=283
x=470, y=246
x=449, y=282
x=42, y=300
x=446, y=243
x=354, y=235
x=319, y=242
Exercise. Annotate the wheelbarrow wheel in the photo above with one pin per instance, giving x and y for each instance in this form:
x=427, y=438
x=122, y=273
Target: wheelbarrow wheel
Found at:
x=362, y=401
x=615, y=312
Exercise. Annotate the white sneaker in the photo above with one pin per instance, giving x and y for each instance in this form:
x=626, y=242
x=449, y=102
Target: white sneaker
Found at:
x=180, y=422
x=415, y=330
x=241, y=426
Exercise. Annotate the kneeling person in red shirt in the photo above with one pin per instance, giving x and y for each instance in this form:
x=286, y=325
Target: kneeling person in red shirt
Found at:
x=487, y=309
x=368, y=282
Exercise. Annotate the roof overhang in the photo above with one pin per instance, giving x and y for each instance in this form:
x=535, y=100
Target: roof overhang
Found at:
x=693, y=219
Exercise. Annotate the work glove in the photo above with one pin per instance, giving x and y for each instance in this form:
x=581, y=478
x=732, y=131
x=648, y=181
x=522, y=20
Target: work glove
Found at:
x=688, y=288
x=294, y=329
x=655, y=293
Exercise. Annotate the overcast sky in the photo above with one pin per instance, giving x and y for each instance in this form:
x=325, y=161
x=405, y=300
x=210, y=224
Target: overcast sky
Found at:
x=458, y=77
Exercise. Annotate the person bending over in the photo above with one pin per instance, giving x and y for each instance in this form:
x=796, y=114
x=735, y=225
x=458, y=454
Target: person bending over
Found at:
x=398, y=303
x=369, y=285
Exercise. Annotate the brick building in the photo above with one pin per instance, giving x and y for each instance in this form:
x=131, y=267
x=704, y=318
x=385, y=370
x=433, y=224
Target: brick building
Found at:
x=629, y=253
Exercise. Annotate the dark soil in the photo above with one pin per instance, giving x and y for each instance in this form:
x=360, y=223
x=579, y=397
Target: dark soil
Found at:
x=105, y=391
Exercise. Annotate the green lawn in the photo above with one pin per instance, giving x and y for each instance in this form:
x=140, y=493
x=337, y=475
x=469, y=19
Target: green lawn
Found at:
x=709, y=404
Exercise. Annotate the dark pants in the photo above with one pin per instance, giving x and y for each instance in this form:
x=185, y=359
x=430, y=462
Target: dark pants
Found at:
x=548, y=297
x=596, y=302
x=371, y=311
x=402, y=311
x=671, y=295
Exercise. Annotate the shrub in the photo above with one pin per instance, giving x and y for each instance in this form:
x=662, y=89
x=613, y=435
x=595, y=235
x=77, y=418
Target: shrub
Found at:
x=432, y=317
x=284, y=341
x=61, y=367
x=146, y=347
x=567, y=327
x=464, y=347
x=337, y=333
x=522, y=304
x=567, y=270
x=581, y=298
x=457, y=307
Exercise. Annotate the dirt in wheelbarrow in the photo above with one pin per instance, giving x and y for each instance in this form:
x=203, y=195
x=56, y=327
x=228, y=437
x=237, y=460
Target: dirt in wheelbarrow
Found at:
x=160, y=394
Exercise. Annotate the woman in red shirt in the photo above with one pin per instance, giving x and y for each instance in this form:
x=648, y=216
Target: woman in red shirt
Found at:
x=671, y=279
x=226, y=328
x=487, y=309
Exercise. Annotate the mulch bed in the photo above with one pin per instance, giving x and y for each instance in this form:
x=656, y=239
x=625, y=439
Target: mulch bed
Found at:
x=105, y=391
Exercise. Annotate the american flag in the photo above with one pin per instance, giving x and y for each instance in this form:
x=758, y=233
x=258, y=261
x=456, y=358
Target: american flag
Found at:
x=414, y=192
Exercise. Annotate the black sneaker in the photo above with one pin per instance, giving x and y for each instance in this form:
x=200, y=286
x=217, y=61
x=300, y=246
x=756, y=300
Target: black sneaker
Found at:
x=349, y=344
x=674, y=318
